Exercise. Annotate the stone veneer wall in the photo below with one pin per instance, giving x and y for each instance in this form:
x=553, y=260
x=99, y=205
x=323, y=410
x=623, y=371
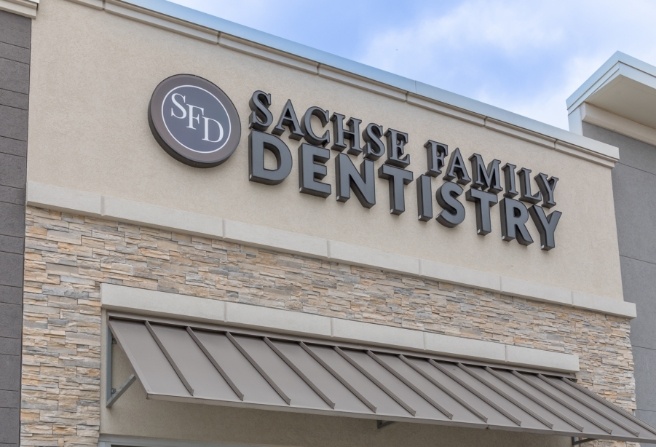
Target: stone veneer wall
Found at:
x=69, y=256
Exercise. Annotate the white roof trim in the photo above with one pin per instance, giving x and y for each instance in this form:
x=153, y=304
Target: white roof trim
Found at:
x=620, y=64
x=26, y=8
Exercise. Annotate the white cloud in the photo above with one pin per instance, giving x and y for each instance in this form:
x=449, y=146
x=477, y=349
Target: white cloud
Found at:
x=525, y=56
x=548, y=104
x=509, y=27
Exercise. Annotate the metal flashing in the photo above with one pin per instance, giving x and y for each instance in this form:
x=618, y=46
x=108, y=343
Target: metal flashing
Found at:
x=183, y=27
x=237, y=44
x=313, y=376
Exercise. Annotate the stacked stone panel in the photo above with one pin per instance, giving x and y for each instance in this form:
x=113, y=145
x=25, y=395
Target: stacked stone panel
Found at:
x=68, y=257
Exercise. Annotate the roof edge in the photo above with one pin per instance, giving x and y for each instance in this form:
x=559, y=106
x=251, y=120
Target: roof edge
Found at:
x=25, y=8
x=618, y=63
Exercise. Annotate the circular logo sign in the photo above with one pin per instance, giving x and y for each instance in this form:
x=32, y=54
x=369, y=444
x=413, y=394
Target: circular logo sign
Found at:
x=194, y=121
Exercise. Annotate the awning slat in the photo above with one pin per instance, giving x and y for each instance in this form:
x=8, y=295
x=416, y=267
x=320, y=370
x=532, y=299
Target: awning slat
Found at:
x=565, y=404
x=375, y=381
x=573, y=395
x=505, y=395
x=410, y=385
x=300, y=374
x=169, y=358
x=214, y=363
x=444, y=389
x=252, y=369
x=337, y=376
x=475, y=392
x=583, y=414
x=530, y=396
x=259, y=369
x=612, y=407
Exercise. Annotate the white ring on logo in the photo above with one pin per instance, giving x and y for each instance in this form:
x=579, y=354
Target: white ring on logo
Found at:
x=217, y=100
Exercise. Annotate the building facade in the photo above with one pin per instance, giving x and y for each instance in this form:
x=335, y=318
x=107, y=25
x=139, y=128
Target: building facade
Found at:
x=616, y=105
x=231, y=239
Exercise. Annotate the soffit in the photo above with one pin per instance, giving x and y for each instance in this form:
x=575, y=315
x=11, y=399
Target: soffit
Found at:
x=629, y=99
x=624, y=86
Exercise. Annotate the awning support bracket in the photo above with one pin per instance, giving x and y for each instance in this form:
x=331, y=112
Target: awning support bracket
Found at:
x=116, y=393
x=382, y=424
x=579, y=441
x=112, y=393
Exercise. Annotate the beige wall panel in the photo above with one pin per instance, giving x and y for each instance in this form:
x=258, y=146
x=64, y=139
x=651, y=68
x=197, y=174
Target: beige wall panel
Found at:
x=89, y=130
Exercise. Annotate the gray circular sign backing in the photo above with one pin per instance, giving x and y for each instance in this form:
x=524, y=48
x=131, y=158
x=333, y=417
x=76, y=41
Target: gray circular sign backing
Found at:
x=194, y=121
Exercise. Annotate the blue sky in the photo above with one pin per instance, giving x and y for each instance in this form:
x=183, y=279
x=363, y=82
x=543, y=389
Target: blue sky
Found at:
x=523, y=56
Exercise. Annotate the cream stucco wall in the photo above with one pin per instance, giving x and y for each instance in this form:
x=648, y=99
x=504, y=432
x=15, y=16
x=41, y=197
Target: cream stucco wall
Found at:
x=89, y=131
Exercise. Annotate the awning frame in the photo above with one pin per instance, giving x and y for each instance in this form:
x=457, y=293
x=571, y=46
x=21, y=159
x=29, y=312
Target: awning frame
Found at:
x=114, y=394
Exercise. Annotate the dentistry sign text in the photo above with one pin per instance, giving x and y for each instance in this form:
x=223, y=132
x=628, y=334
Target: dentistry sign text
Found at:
x=196, y=123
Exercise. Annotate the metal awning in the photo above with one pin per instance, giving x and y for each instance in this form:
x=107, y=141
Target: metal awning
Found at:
x=216, y=365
